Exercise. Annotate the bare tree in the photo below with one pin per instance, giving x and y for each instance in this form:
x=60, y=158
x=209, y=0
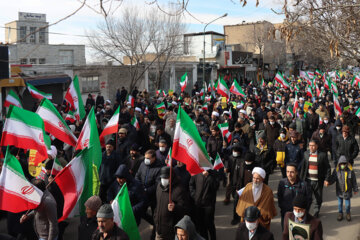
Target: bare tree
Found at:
x=138, y=39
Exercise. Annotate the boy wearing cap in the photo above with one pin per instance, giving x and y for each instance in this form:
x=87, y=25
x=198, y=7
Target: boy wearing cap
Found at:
x=301, y=215
x=107, y=228
x=251, y=229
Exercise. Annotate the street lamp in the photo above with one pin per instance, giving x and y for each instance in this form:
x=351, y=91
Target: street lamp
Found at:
x=204, y=41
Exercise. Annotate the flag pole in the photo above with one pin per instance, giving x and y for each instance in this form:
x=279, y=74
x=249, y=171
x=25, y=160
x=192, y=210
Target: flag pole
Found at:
x=170, y=180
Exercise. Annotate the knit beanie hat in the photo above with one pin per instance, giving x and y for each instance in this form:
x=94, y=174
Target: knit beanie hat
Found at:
x=105, y=211
x=94, y=203
x=300, y=201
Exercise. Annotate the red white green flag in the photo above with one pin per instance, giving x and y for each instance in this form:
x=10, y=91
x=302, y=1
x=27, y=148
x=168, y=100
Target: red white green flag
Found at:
x=290, y=112
x=326, y=82
x=205, y=106
x=36, y=93
x=223, y=89
x=355, y=80
x=296, y=103
x=183, y=82
x=70, y=117
x=12, y=99
x=75, y=184
x=337, y=107
x=130, y=100
x=236, y=89
x=73, y=97
x=280, y=79
x=135, y=123
x=56, y=167
x=309, y=92
x=188, y=146
x=224, y=127
x=17, y=194
x=334, y=87
x=25, y=129
x=168, y=159
x=111, y=127
x=161, y=109
x=318, y=72
x=54, y=123
x=358, y=113
x=218, y=164
x=317, y=91
x=263, y=84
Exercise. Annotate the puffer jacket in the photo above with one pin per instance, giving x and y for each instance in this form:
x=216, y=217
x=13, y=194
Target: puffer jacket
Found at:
x=345, y=180
x=279, y=149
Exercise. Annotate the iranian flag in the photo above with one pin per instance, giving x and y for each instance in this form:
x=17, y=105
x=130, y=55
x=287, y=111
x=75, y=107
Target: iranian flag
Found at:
x=280, y=79
x=290, y=112
x=218, y=164
x=135, y=123
x=25, y=129
x=309, y=92
x=223, y=89
x=111, y=127
x=35, y=93
x=56, y=167
x=355, y=80
x=124, y=215
x=130, y=100
x=70, y=117
x=224, y=127
x=337, y=107
x=183, y=82
x=296, y=103
x=318, y=72
x=326, y=82
x=334, y=87
x=54, y=123
x=168, y=159
x=161, y=109
x=89, y=138
x=358, y=113
x=262, y=83
x=12, y=99
x=317, y=91
x=236, y=89
x=17, y=194
x=75, y=184
x=297, y=87
x=73, y=97
x=188, y=146
x=205, y=106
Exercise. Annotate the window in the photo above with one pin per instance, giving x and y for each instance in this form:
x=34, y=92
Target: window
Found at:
x=42, y=61
x=33, y=61
x=22, y=34
x=32, y=35
x=42, y=36
x=90, y=84
x=66, y=57
x=23, y=61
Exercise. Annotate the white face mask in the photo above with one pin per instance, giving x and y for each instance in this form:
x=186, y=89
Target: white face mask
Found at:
x=165, y=182
x=147, y=161
x=326, y=121
x=235, y=154
x=282, y=135
x=272, y=123
x=252, y=124
x=248, y=163
x=338, y=128
x=251, y=225
x=162, y=149
x=298, y=214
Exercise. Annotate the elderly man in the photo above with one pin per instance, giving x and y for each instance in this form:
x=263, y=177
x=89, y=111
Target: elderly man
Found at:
x=107, y=229
x=289, y=187
x=88, y=223
x=260, y=195
x=301, y=215
x=251, y=229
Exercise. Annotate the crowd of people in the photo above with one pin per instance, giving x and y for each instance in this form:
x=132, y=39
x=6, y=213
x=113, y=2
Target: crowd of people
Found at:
x=313, y=147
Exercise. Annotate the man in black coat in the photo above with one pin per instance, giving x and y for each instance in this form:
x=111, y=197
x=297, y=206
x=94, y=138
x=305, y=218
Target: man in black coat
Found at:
x=251, y=229
x=289, y=187
x=136, y=193
x=107, y=169
x=315, y=169
x=167, y=214
x=123, y=145
x=88, y=223
x=203, y=188
x=134, y=160
x=346, y=145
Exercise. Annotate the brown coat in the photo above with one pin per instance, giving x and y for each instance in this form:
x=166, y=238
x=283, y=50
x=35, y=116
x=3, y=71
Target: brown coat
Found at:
x=265, y=204
x=316, y=231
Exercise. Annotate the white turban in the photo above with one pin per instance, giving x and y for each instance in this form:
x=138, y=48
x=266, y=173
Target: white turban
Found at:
x=52, y=152
x=301, y=99
x=259, y=171
x=243, y=111
x=226, y=112
x=215, y=114
x=174, y=103
x=277, y=101
x=137, y=109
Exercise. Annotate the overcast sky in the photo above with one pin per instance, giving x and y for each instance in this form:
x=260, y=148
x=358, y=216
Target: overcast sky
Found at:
x=88, y=17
